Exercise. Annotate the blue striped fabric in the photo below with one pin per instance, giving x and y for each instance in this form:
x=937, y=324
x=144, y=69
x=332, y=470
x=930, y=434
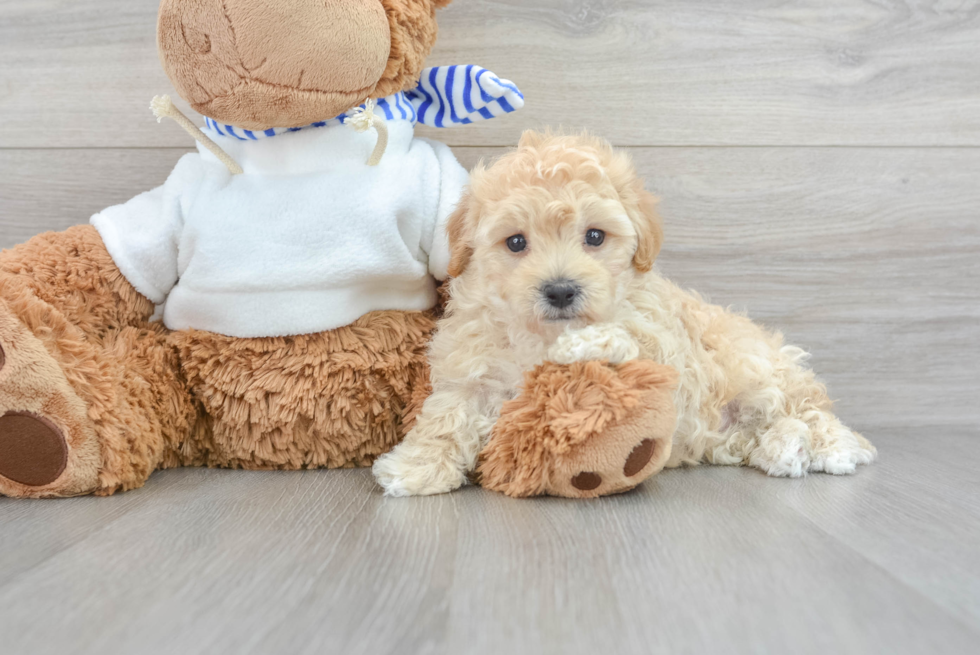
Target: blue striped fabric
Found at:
x=460, y=95
x=446, y=96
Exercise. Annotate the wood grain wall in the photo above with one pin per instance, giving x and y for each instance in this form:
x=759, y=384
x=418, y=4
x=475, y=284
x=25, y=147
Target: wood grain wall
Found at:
x=819, y=160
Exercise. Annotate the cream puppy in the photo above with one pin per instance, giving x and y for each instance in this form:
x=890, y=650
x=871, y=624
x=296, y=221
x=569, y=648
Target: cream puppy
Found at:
x=552, y=259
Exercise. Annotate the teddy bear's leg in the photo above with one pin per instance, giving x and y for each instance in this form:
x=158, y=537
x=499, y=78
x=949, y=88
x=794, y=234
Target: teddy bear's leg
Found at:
x=90, y=394
x=74, y=274
x=335, y=399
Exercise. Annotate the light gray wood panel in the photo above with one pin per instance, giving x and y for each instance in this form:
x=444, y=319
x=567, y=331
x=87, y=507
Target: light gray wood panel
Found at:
x=702, y=553
x=934, y=488
x=643, y=72
x=705, y=560
x=31, y=533
x=45, y=190
x=870, y=258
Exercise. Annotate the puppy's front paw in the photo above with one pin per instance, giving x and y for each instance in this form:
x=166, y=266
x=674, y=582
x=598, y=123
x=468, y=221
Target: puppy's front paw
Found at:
x=414, y=470
x=595, y=342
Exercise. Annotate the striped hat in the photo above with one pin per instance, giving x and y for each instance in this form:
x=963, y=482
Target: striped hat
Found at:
x=445, y=97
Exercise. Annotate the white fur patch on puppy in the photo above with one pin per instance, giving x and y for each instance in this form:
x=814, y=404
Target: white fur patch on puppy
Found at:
x=414, y=470
x=596, y=342
x=782, y=450
x=839, y=451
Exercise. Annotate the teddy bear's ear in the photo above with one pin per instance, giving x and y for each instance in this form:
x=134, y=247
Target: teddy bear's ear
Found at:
x=459, y=229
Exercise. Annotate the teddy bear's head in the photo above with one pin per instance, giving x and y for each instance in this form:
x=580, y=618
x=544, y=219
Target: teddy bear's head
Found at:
x=260, y=64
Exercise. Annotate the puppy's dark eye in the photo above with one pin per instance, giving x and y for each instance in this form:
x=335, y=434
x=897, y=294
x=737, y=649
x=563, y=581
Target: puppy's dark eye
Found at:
x=517, y=243
x=595, y=237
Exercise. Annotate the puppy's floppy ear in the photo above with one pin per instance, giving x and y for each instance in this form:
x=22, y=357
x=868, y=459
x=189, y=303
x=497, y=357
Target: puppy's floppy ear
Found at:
x=460, y=232
x=441, y=3
x=640, y=204
x=649, y=228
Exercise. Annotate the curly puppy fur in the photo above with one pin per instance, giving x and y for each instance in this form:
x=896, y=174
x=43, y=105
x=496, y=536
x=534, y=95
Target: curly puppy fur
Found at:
x=131, y=397
x=743, y=396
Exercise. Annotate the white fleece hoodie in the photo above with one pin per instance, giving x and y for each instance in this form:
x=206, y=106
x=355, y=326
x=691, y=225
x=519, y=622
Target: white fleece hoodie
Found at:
x=309, y=238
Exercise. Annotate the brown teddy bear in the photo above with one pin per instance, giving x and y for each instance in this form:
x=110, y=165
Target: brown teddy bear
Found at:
x=293, y=260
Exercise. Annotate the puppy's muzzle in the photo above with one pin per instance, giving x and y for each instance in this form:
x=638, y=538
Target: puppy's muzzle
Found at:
x=561, y=294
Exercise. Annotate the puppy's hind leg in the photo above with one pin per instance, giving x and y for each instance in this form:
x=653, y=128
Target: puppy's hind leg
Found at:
x=835, y=448
x=786, y=426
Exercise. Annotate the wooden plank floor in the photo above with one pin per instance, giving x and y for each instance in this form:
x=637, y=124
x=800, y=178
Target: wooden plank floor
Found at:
x=709, y=560
x=803, y=72
x=818, y=162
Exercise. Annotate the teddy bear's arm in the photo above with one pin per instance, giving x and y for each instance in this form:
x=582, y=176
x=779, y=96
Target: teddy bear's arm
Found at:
x=453, y=179
x=142, y=235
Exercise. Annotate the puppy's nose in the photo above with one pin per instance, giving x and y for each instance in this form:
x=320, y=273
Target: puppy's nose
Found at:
x=561, y=293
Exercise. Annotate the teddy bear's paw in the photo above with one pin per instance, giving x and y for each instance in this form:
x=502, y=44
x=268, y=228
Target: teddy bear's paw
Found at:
x=619, y=463
x=48, y=445
x=621, y=457
x=606, y=342
x=414, y=470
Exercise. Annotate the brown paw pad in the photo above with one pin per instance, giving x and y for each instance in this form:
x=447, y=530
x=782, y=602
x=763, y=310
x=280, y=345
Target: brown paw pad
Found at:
x=587, y=481
x=640, y=457
x=33, y=451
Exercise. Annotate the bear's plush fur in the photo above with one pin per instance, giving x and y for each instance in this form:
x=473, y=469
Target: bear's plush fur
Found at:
x=582, y=430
